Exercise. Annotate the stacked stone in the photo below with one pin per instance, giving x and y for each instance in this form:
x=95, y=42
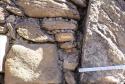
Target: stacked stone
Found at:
x=31, y=29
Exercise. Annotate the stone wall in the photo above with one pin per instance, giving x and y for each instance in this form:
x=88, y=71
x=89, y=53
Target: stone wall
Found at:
x=40, y=40
x=47, y=41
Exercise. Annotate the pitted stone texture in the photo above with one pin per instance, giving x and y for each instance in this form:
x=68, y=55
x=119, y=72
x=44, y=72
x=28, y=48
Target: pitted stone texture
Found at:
x=51, y=24
x=4, y=44
x=104, y=43
x=63, y=37
x=32, y=64
x=30, y=30
x=14, y=10
x=49, y=8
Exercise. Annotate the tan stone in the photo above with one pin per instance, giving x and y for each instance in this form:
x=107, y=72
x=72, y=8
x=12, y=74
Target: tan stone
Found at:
x=3, y=30
x=30, y=30
x=14, y=10
x=49, y=8
x=62, y=37
x=67, y=45
x=55, y=25
x=32, y=64
x=2, y=15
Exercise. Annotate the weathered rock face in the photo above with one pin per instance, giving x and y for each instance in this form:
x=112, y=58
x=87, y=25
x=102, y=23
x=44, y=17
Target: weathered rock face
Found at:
x=104, y=43
x=49, y=8
x=32, y=63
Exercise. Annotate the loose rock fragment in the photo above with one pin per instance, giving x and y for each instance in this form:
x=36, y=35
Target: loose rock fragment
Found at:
x=32, y=63
x=15, y=10
x=30, y=30
x=63, y=37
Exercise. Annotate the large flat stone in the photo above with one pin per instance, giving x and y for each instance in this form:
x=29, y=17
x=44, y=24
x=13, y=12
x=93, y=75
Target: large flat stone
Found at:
x=32, y=64
x=30, y=30
x=104, y=42
x=55, y=25
x=3, y=49
x=49, y=8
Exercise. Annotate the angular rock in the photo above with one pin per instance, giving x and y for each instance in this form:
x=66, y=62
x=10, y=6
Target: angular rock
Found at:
x=14, y=10
x=104, y=42
x=10, y=19
x=4, y=44
x=32, y=63
x=49, y=8
x=63, y=37
x=2, y=15
x=11, y=31
x=71, y=62
x=55, y=25
x=3, y=30
x=30, y=30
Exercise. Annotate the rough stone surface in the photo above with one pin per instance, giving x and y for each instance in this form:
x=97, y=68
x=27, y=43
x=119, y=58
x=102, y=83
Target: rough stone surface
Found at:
x=55, y=25
x=30, y=30
x=69, y=77
x=32, y=64
x=2, y=15
x=48, y=8
x=4, y=42
x=67, y=45
x=62, y=37
x=14, y=10
x=71, y=62
x=104, y=43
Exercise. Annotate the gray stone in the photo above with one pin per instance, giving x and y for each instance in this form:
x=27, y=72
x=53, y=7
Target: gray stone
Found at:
x=49, y=8
x=55, y=25
x=71, y=62
x=32, y=64
x=104, y=42
x=4, y=44
x=70, y=77
x=11, y=19
x=81, y=3
x=30, y=30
